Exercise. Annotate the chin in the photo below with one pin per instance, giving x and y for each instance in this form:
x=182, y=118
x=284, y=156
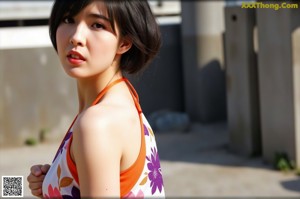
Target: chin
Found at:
x=72, y=72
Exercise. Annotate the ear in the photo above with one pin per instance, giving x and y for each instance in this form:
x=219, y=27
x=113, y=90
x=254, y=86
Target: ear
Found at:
x=124, y=45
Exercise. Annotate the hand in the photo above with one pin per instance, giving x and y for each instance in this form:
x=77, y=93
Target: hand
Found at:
x=36, y=178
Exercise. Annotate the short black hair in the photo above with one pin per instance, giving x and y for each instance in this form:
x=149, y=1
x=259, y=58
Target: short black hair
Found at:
x=134, y=19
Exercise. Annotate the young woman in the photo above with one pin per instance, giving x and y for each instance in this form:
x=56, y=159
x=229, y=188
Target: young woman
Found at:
x=109, y=149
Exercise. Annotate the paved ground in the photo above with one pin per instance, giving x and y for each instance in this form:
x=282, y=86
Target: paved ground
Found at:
x=196, y=163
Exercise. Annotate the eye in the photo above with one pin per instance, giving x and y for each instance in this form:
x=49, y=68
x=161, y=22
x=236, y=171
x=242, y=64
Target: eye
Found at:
x=68, y=20
x=98, y=26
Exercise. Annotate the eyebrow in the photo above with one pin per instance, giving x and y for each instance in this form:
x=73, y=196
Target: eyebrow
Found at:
x=98, y=16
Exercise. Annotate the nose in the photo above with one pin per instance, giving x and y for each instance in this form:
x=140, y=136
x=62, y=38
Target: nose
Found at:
x=77, y=37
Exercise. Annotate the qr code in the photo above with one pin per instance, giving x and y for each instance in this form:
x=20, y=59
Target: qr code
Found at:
x=12, y=186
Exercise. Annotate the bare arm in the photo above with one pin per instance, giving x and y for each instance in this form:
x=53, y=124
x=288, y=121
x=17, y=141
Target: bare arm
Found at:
x=97, y=152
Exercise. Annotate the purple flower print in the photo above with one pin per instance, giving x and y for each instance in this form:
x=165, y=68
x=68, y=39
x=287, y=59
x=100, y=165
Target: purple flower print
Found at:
x=75, y=194
x=155, y=171
x=59, y=151
x=146, y=132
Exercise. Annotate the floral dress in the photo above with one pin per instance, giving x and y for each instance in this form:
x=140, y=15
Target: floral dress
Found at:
x=143, y=179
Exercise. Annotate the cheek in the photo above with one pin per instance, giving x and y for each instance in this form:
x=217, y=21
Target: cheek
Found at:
x=61, y=39
x=103, y=54
x=106, y=46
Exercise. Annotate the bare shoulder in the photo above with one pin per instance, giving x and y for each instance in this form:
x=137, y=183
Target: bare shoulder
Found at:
x=105, y=131
x=96, y=123
x=94, y=119
x=106, y=121
x=96, y=135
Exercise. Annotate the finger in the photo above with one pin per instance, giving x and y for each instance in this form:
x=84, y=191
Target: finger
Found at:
x=36, y=170
x=37, y=192
x=45, y=168
x=32, y=178
x=35, y=185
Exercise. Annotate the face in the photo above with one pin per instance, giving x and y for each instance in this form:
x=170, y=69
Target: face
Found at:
x=86, y=43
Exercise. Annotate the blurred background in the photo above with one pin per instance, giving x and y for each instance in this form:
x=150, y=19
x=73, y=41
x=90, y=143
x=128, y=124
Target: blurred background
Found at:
x=223, y=95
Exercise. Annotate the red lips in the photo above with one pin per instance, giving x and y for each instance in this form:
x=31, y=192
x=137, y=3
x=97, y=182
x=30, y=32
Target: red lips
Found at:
x=75, y=57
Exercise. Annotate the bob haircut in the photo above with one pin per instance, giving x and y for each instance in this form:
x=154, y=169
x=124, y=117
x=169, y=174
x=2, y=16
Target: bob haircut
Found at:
x=134, y=20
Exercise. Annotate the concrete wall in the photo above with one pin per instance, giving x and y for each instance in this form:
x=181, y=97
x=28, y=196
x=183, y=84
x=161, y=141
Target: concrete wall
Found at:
x=279, y=81
x=160, y=87
x=296, y=78
x=203, y=60
x=36, y=95
x=242, y=81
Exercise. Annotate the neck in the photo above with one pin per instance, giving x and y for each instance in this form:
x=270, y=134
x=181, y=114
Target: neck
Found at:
x=89, y=88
